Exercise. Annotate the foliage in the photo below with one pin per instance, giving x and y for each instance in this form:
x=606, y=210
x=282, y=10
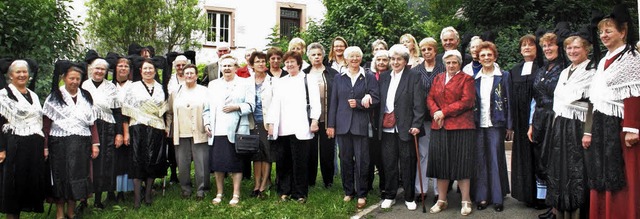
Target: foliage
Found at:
x=41, y=30
x=362, y=22
x=166, y=25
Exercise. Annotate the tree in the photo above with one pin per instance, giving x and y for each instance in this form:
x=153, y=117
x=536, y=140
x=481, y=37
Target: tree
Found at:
x=164, y=24
x=41, y=30
x=361, y=22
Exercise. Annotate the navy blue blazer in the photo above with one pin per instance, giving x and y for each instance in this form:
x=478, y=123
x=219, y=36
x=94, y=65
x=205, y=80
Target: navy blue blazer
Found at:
x=409, y=102
x=342, y=117
x=500, y=96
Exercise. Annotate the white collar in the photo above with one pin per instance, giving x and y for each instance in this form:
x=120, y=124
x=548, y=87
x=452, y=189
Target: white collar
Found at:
x=496, y=72
x=345, y=71
x=615, y=52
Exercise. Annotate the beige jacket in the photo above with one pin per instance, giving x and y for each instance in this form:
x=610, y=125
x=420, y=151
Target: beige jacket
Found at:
x=197, y=124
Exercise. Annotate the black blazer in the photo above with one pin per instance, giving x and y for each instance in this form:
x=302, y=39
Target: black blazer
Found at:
x=342, y=117
x=409, y=103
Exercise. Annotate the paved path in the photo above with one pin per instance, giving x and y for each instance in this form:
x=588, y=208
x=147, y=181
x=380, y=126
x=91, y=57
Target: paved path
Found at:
x=512, y=208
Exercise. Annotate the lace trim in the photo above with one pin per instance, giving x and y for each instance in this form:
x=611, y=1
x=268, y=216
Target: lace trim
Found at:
x=72, y=119
x=142, y=108
x=23, y=119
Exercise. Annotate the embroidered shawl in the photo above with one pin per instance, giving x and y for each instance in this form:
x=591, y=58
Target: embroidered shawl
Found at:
x=572, y=89
x=23, y=118
x=619, y=81
x=74, y=118
x=105, y=98
x=143, y=108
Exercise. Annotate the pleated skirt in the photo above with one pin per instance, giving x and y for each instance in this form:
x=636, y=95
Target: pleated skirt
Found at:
x=567, y=184
x=69, y=158
x=22, y=175
x=451, y=154
x=223, y=157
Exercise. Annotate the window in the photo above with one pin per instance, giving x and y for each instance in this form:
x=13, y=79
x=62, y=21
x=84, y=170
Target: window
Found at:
x=219, y=26
x=289, y=22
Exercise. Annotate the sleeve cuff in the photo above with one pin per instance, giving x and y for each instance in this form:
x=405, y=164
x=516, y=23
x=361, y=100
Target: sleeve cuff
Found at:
x=631, y=130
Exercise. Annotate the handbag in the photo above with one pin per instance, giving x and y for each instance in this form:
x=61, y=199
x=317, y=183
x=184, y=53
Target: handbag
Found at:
x=247, y=144
x=389, y=120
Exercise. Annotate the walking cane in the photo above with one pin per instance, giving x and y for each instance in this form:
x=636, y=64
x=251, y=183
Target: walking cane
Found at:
x=415, y=140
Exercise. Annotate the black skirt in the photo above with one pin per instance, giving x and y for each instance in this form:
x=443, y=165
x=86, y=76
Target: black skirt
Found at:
x=22, y=175
x=451, y=154
x=523, y=180
x=542, y=136
x=265, y=148
x=223, y=157
x=123, y=160
x=149, y=152
x=605, y=169
x=566, y=184
x=69, y=158
x=104, y=178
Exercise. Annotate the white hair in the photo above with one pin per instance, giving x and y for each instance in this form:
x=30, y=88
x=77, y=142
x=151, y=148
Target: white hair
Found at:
x=401, y=50
x=179, y=59
x=95, y=63
x=352, y=49
x=452, y=52
x=18, y=63
x=450, y=29
x=378, y=54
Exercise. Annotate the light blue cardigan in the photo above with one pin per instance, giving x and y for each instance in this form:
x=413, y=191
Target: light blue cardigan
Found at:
x=243, y=94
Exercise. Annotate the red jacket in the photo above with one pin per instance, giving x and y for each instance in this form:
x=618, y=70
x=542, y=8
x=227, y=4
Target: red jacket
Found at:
x=243, y=72
x=456, y=100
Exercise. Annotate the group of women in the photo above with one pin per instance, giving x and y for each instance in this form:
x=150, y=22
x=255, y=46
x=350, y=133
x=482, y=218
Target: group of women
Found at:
x=574, y=124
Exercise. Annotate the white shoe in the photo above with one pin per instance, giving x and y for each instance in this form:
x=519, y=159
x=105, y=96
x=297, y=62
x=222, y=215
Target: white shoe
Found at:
x=411, y=205
x=387, y=203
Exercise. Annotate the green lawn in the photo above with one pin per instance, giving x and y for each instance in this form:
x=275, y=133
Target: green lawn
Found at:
x=321, y=203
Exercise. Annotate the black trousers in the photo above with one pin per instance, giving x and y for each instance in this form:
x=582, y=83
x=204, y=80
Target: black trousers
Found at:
x=291, y=166
x=394, y=152
x=327, y=148
x=375, y=161
x=354, y=163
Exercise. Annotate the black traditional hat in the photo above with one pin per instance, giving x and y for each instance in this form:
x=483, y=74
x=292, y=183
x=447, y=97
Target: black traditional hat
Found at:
x=5, y=63
x=621, y=16
x=159, y=62
x=171, y=57
x=488, y=36
x=112, y=58
x=134, y=49
x=465, y=41
x=60, y=68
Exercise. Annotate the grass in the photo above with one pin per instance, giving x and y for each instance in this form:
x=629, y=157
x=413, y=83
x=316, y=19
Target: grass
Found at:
x=321, y=203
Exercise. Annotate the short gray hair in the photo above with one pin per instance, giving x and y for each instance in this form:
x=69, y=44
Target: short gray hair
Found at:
x=181, y=58
x=352, y=49
x=315, y=46
x=95, y=63
x=18, y=63
x=401, y=50
x=378, y=42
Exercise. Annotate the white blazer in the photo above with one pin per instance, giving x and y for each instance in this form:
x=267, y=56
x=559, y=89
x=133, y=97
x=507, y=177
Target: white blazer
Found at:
x=243, y=94
x=288, y=109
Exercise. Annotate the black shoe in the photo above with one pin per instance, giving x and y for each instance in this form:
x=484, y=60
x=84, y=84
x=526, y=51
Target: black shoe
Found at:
x=498, y=207
x=120, y=197
x=255, y=193
x=546, y=214
x=435, y=199
x=98, y=205
x=419, y=197
x=481, y=206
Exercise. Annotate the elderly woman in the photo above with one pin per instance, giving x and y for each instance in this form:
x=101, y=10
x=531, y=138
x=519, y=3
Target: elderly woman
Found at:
x=546, y=79
x=380, y=64
x=376, y=46
x=247, y=70
x=475, y=66
x=451, y=101
x=109, y=124
x=72, y=137
x=354, y=95
x=336, y=54
x=324, y=77
x=402, y=111
x=567, y=185
x=414, y=52
x=615, y=93
x=523, y=180
x=227, y=114
x=493, y=119
x=189, y=136
x=274, y=57
x=145, y=103
x=292, y=120
x=428, y=70
x=263, y=159
x=177, y=77
x=22, y=151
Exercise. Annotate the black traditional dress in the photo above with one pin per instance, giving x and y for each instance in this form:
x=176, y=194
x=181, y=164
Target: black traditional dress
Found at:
x=107, y=109
x=70, y=137
x=543, y=87
x=22, y=174
x=146, y=106
x=567, y=184
x=523, y=180
x=124, y=154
